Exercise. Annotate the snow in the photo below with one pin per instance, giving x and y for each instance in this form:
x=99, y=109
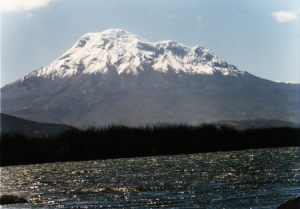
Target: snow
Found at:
x=128, y=53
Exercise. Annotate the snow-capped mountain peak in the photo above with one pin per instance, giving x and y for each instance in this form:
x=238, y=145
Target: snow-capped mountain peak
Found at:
x=125, y=52
x=116, y=77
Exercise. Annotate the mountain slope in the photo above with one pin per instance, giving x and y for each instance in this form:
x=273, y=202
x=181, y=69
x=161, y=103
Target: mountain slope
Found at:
x=118, y=77
x=11, y=124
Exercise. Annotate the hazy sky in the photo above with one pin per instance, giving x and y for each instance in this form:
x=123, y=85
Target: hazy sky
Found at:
x=258, y=36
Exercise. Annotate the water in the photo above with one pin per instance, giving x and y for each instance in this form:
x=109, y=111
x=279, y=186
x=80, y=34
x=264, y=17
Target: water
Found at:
x=262, y=178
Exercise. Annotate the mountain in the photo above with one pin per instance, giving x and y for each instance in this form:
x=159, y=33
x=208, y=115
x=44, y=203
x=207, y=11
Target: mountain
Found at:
x=12, y=124
x=117, y=77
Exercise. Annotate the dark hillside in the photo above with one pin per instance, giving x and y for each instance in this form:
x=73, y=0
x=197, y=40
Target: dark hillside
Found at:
x=12, y=124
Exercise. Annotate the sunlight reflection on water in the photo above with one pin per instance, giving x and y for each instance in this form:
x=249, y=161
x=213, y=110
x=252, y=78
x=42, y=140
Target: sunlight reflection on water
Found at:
x=262, y=178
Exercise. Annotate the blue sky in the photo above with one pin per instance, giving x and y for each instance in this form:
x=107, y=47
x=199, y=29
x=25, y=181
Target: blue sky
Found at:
x=261, y=37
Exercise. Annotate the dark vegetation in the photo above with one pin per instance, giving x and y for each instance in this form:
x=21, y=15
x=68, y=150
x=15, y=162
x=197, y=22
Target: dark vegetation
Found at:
x=120, y=141
x=291, y=204
x=11, y=199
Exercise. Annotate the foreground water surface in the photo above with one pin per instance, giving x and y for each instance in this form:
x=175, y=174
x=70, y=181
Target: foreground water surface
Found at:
x=261, y=178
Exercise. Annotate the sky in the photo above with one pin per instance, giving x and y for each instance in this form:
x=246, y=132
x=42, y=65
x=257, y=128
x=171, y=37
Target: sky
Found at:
x=260, y=37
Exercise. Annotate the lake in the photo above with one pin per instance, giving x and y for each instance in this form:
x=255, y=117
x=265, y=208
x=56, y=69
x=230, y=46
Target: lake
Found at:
x=259, y=178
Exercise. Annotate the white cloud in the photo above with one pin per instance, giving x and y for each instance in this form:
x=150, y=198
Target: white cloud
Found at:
x=22, y=5
x=288, y=82
x=286, y=16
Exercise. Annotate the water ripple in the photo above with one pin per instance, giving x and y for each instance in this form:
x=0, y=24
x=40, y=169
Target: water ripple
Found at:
x=262, y=178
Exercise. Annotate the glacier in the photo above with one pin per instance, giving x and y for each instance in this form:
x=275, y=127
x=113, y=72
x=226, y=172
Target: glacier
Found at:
x=129, y=53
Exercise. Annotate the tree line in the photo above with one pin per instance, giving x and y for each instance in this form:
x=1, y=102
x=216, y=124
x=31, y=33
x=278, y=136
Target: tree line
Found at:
x=121, y=141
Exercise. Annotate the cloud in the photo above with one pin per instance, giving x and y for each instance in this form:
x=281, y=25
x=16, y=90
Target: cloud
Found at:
x=22, y=5
x=286, y=16
x=288, y=82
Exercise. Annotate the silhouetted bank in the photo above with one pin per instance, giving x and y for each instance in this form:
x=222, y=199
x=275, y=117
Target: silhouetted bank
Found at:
x=120, y=141
x=11, y=199
x=291, y=204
